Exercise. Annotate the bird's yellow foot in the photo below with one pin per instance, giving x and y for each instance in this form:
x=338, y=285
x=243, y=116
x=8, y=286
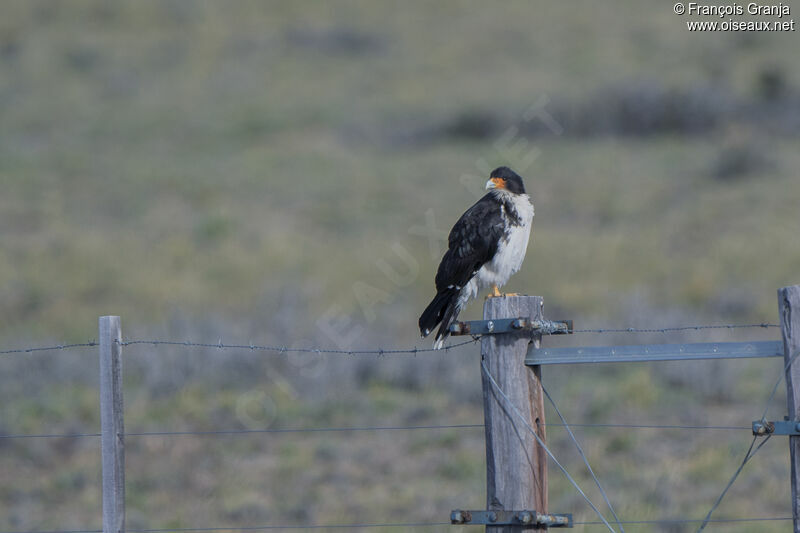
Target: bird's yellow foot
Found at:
x=510, y=294
x=495, y=292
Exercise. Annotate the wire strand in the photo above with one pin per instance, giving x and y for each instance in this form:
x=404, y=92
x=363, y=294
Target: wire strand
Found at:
x=51, y=436
x=777, y=384
x=223, y=432
x=585, y=460
x=763, y=325
x=298, y=430
x=376, y=351
x=690, y=521
x=267, y=527
x=749, y=455
x=543, y=445
x=59, y=531
x=652, y=426
x=412, y=524
x=49, y=348
x=380, y=351
x=249, y=528
x=284, y=349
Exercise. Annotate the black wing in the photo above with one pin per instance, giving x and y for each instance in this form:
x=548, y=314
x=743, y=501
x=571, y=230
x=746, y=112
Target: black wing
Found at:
x=472, y=242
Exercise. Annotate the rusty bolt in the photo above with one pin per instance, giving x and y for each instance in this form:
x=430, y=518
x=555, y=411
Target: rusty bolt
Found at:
x=560, y=520
x=525, y=517
x=761, y=428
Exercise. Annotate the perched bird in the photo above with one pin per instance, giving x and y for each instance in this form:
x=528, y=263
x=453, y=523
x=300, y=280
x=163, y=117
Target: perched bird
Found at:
x=485, y=247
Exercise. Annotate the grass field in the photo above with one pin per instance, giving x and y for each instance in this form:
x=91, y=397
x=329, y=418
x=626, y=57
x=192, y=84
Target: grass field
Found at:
x=250, y=172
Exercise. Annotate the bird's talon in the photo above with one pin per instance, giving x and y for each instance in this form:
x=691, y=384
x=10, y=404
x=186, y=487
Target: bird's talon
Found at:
x=489, y=240
x=494, y=293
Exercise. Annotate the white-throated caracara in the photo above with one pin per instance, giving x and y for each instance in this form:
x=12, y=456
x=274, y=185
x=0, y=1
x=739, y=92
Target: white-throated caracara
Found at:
x=485, y=247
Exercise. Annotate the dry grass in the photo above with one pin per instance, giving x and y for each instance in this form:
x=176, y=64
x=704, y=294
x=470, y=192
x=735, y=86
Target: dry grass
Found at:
x=236, y=172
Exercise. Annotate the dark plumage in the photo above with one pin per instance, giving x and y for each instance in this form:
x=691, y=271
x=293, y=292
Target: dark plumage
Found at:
x=512, y=180
x=485, y=246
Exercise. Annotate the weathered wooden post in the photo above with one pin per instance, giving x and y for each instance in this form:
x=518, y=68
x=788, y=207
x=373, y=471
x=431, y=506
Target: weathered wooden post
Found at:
x=111, y=422
x=516, y=466
x=789, y=313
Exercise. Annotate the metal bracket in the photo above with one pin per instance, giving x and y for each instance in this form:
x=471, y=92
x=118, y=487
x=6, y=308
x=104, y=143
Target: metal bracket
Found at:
x=527, y=519
x=508, y=325
x=785, y=427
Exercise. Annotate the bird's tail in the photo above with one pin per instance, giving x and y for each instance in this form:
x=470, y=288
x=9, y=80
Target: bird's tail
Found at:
x=443, y=308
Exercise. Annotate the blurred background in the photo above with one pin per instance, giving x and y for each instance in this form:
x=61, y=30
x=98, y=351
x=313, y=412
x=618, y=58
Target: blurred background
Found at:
x=284, y=174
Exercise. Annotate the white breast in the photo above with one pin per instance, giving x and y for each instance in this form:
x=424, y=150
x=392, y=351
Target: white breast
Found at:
x=511, y=251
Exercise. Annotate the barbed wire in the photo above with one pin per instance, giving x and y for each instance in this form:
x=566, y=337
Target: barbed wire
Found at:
x=373, y=351
x=320, y=526
x=247, y=528
x=285, y=349
x=381, y=352
x=50, y=348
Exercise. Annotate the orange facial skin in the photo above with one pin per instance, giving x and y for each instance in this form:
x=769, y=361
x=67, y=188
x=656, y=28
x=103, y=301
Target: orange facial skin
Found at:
x=499, y=183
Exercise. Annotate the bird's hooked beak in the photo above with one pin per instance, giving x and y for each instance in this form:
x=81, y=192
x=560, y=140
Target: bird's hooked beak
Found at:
x=495, y=183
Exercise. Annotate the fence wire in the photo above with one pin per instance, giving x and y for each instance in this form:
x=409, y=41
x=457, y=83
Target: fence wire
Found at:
x=763, y=325
x=676, y=521
x=411, y=351
x=585, y=459
x=260, y=528
x=223, y=432
x=285, y=349
x=519, y=415
x=373, y=351
x=50, y=348
x=750, y=451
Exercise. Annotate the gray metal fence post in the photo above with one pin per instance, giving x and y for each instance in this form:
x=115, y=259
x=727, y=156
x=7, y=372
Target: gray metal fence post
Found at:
x=111, y=422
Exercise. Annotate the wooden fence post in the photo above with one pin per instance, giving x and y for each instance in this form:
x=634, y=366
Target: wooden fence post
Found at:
x=111, y=422
x=789, y=314
x=516, y=466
